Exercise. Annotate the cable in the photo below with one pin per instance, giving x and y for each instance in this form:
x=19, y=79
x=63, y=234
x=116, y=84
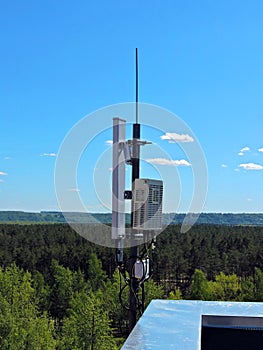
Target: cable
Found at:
x=147, y=272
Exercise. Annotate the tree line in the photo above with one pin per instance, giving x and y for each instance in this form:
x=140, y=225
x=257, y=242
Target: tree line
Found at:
x=211, y=248
x=106, y=218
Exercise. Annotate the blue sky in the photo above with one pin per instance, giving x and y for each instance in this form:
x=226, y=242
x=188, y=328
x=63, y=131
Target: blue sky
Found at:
x=201, y=60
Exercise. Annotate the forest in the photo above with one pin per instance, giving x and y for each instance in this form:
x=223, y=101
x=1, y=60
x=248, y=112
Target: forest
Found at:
x=59, y=291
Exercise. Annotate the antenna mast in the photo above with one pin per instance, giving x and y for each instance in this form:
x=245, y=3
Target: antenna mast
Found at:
x=137, y=87
x=134, y=251
x=139, y=266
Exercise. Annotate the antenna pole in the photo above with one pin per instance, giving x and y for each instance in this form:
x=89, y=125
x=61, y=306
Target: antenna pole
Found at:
x=137, y=87
x=134, y=251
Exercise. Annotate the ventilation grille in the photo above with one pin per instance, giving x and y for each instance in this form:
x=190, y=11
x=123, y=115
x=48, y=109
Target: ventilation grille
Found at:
x=147, y=204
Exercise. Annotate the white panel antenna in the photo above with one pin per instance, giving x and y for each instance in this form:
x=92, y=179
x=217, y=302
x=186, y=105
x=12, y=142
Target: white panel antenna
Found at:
x=119, y=157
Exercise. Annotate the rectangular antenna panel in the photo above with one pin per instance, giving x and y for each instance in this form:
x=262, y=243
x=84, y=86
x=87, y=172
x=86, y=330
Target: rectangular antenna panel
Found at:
x=147, y=204
x=118, y=179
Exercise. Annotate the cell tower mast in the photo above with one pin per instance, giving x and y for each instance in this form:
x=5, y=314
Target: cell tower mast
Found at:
x=146, y=212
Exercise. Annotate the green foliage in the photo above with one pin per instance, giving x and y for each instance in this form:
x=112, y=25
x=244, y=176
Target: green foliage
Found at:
x=42, y=291
x=21, y=324
x=87, y=326
x=110, y=300
x=175, y=295
x=59, y=278
x=199, y=288
x=225, y=287
x=41, y=334
x=96, y=276
x=248, y=288
x=5, y=321
x=210, y=248
x=152, y=291
x=258, y=284
x=61, y=290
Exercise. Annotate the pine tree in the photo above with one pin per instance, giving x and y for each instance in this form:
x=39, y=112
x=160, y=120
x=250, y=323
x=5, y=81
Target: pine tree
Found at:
x=88, y=326
x=61, y=290
x=96, y=276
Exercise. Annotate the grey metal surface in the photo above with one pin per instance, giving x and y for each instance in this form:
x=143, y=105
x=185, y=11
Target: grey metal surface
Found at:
x=176, y=324
x=232, y=321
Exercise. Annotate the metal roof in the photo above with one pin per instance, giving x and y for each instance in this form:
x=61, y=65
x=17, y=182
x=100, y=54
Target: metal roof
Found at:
x=176, y=324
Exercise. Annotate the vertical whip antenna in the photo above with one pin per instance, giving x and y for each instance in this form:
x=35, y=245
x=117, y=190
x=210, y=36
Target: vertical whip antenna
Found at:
x=137, y=87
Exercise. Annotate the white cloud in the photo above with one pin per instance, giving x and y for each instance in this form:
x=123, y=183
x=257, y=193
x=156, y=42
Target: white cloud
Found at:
x=223, y=165
x=174, y=137
x=2, y=173
x=73, y=190
x=260, y=149
x=249, y=199
x=48, y=155
x=169, y=162
x=1, y=180
x=108, y=142
x=251, y=166
x=243, y=150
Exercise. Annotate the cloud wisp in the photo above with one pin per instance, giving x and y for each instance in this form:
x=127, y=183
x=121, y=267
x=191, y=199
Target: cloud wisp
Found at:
x=251, y=166
x=109, y=142
x=2, y=173
x=48, y=155
x=169, y=162
x=260, y=149
x=173, y=137
x=243, y=150
x=73, y=190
